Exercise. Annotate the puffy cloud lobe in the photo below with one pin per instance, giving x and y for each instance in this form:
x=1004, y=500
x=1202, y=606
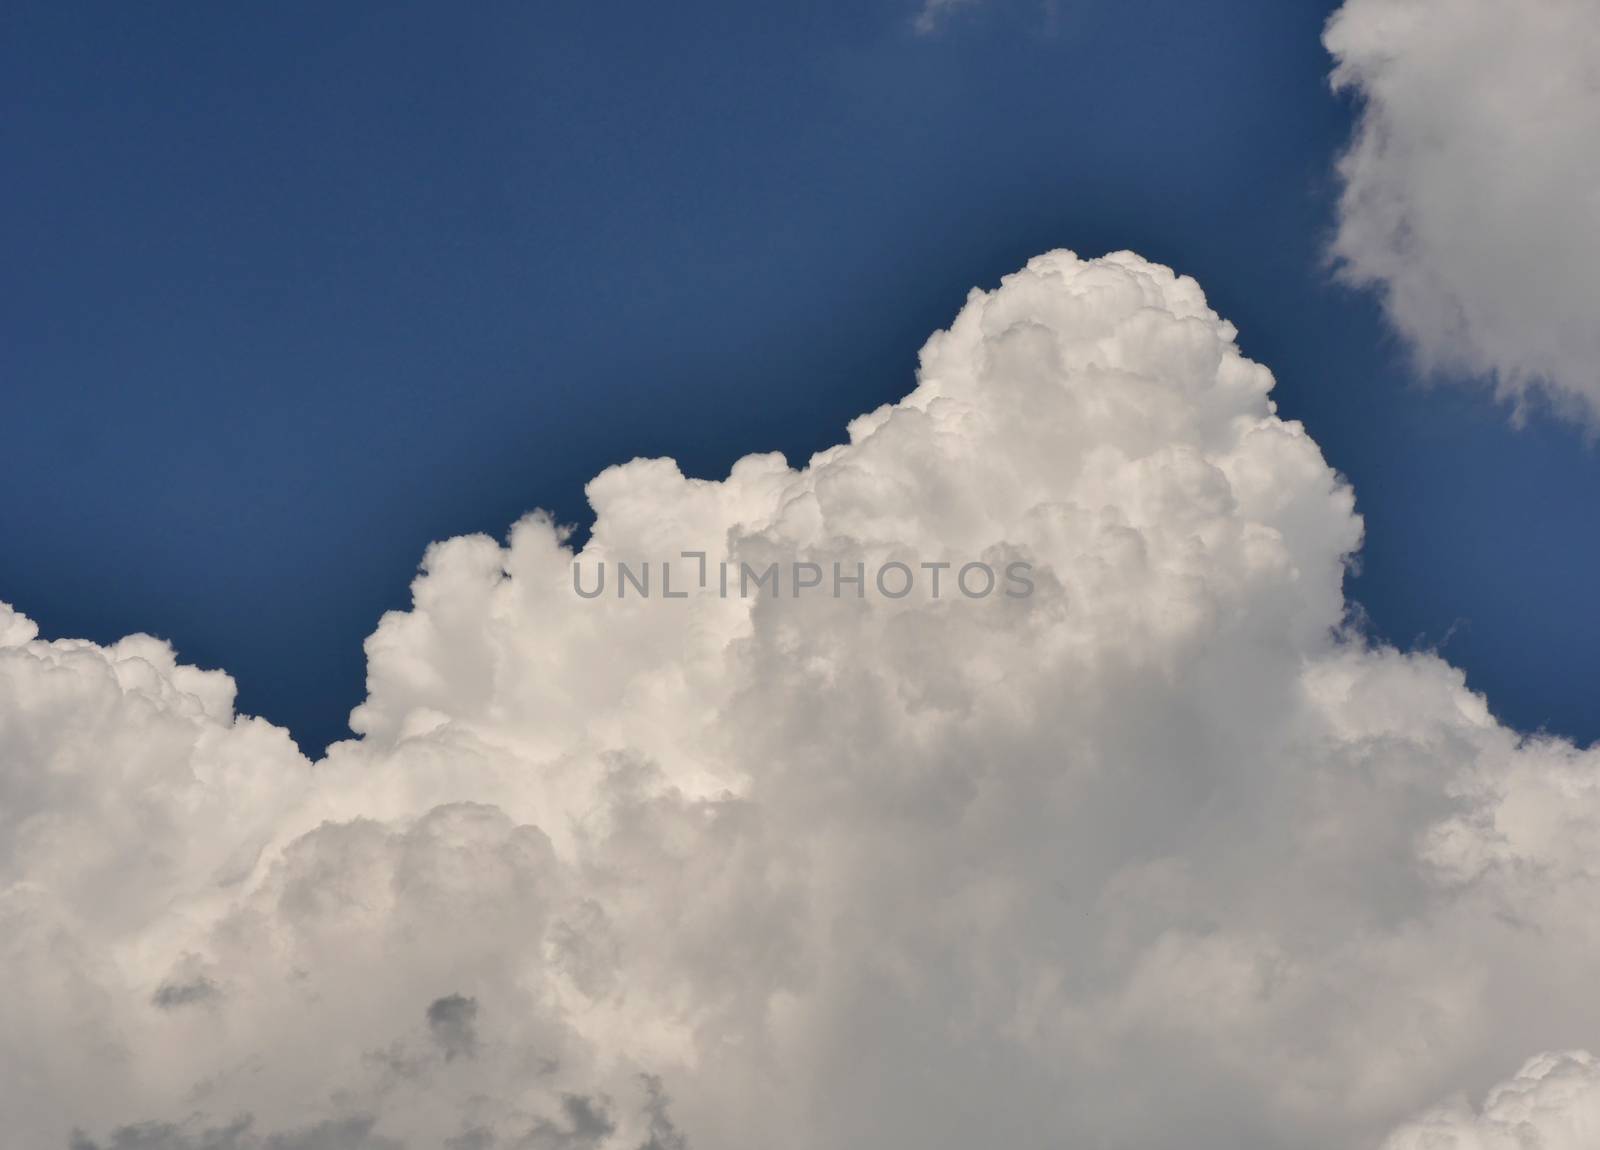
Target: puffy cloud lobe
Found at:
x=1469, y=188
x=1552, y=1104
x=1164, y=854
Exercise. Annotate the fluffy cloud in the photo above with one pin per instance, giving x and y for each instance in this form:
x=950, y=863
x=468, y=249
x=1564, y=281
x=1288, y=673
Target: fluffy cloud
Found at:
x=1552, y=1104
x=1163, y=855
x=1470, y=195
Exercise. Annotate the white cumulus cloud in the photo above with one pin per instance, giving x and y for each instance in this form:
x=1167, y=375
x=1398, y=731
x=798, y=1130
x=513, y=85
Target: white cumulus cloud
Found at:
x=1164, y=855
x=1472, y=186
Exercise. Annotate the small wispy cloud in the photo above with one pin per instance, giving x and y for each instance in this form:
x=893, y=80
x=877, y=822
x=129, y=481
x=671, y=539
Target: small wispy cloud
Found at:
x=935, y=12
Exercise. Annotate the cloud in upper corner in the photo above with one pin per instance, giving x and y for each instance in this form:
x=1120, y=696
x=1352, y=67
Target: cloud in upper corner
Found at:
x=1162, y=855
x=1470, y=196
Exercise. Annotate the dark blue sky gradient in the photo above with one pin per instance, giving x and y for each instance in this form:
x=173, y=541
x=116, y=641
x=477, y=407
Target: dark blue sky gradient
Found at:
x=288, y=291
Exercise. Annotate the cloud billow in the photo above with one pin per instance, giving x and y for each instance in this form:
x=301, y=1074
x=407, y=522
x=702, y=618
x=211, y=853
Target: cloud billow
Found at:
x=1165, y=854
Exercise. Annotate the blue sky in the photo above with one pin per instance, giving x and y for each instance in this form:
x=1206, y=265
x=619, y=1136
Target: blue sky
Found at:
x=290, y=293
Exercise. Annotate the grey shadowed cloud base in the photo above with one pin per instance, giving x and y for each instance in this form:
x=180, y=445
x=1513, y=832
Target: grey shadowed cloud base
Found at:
x=1166, y=855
